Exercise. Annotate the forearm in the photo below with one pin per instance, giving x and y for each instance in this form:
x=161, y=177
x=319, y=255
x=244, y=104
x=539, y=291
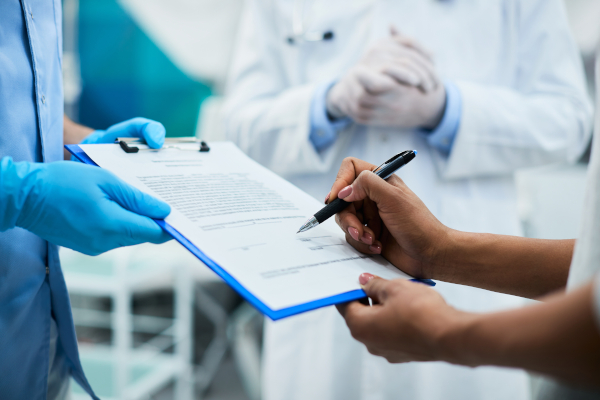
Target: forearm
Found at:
x=507, y=264
x=559, y=338
x=73, y=133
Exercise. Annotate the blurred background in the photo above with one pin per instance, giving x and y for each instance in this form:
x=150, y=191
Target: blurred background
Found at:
x=153, y=322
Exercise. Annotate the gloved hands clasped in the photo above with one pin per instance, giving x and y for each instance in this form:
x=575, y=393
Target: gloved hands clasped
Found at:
x=394, y=85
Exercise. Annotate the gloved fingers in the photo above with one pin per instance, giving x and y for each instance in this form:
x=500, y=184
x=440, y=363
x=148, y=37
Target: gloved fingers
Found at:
x=374, y=82
x=367, y=101
x=422, y=69
x=133, y=229
x=134, y=200
x=403, y=74
x=409, y=42
x=402, y=51
x=152, y=132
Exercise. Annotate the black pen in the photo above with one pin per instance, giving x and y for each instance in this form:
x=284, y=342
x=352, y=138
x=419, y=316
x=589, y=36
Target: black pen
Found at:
x=384, y=171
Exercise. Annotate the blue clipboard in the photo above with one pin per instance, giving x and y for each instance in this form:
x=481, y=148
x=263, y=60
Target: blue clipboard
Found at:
x=231, y=281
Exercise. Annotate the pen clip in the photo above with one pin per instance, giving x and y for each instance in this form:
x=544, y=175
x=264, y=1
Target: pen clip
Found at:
x=388, y=161
x=125, y=144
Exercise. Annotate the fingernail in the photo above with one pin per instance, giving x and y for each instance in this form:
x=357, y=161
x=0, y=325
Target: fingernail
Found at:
x=327, y=197
x=345, y=192
x=353, y=232
x=367, y=238
x=363, y=279
x=375, y=248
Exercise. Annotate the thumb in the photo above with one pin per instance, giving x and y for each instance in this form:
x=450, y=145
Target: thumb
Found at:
x=375, y=287
x=367, y=185
x=151, y=131
x=135, y=200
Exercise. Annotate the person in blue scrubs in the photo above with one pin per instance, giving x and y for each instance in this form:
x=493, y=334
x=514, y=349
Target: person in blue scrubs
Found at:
x=46, y=203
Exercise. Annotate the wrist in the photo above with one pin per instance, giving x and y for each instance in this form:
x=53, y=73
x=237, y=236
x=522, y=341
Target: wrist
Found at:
x=331, y=103
x=459, y=342
x=438, y=261
x=436, y=109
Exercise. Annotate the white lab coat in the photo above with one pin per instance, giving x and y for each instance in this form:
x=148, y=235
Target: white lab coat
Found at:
x=524, y=104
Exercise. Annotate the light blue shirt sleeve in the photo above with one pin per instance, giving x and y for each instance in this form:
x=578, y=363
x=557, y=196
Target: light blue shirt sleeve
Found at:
x=323, y=130
x=442, y=137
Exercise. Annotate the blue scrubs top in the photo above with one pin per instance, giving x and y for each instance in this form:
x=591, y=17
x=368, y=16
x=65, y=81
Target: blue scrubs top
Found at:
x=32, y=286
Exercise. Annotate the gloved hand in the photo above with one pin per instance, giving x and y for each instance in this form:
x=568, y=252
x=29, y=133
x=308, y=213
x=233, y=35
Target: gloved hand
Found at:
x=371, y=98
x=393, y=85
x=78, y=206
x=403, y=59
x=151, y=131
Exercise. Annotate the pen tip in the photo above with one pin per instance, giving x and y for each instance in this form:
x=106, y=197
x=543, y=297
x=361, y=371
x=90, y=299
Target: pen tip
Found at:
x=415, y=152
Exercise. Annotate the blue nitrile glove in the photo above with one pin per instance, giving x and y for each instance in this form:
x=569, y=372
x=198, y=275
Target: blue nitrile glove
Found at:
x=151, y=131
x=82, y=207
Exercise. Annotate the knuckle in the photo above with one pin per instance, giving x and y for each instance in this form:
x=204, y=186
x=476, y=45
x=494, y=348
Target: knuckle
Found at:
x=395, y=180
x=392, y=291
x=364, y=115
x=354, y=110
x=363, y=102
x=364, y=175
x=362, y=97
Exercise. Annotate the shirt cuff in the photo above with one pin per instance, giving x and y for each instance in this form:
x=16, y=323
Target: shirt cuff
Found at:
x=324, y=131
x=442, y=137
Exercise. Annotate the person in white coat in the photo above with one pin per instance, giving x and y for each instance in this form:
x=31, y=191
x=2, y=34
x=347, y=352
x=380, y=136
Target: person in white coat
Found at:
x=500, y=87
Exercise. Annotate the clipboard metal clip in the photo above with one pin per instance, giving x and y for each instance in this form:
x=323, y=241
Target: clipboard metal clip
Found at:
x=170, y=143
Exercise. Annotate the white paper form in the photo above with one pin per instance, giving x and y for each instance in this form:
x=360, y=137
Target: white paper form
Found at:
x=245, y=218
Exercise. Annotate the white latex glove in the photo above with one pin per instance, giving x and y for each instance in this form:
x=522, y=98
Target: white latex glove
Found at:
x=394, y=85
x=403, y=59
x=376, y=99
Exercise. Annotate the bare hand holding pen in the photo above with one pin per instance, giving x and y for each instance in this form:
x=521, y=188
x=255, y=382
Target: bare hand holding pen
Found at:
x=412, y=322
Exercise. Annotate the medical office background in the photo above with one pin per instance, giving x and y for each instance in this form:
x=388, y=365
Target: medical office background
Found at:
x=152, y=321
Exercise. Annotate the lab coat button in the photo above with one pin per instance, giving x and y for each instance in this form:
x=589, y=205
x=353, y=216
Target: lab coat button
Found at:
x=43, y=99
